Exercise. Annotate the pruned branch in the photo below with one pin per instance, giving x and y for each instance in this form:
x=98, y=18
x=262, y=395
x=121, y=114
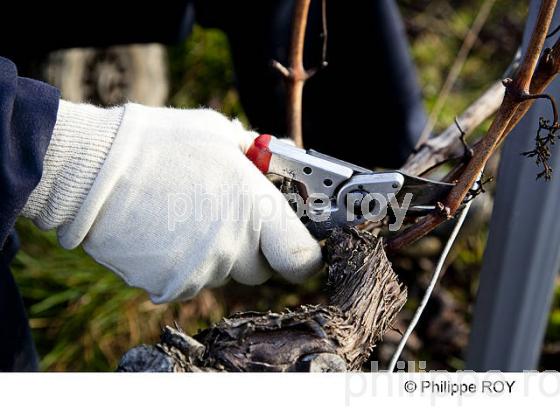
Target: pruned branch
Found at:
x=295, y=75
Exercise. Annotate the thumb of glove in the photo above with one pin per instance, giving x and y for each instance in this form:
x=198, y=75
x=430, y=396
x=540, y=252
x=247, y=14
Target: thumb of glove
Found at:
x=286, y=243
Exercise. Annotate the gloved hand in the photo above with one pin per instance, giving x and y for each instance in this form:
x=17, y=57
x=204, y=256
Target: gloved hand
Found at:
x=167, y=199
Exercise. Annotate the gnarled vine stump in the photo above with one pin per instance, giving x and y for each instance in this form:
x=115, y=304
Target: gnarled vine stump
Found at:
x=364, y=299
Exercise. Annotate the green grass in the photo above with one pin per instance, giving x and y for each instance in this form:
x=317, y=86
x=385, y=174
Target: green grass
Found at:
x=79, y=311
x=201, y=73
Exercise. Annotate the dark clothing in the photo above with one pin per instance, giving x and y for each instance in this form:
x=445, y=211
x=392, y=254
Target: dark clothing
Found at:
x=27, y=116
x=55, y=25
x=365, y=107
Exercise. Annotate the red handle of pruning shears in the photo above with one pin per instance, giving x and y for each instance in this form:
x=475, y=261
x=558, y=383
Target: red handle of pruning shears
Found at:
x=259, y=152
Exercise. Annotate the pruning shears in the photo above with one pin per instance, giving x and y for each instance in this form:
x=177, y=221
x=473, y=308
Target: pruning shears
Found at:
x=337, y=193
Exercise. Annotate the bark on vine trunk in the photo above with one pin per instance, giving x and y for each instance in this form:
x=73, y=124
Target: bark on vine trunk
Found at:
x=365, y=296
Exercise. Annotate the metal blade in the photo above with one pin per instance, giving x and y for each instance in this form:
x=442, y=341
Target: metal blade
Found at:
x=356, y=168
x=425, y=192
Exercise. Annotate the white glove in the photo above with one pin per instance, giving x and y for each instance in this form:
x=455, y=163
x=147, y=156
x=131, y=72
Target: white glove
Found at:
x=167, y=199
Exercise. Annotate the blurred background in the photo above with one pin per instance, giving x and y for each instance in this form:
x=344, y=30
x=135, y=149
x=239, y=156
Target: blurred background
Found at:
x=84, y=317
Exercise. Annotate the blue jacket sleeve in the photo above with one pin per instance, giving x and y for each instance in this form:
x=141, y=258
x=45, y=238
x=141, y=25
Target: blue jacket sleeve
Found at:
x=27, y=116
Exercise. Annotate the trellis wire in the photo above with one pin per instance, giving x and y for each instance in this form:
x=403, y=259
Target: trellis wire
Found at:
x=430, y=287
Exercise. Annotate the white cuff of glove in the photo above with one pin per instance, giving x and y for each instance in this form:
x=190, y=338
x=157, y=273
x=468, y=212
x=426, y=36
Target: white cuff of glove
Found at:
x=167, y=199
x=81, y=139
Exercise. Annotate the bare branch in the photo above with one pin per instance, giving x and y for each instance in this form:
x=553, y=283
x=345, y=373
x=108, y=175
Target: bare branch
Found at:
x=295, y=75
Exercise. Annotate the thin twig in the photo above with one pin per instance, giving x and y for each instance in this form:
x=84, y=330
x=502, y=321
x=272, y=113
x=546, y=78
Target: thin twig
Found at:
x=324, y=33
x=545, y=97
x=439, y=164
x=456, y=68
x=553, y=32
x=467, y=151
